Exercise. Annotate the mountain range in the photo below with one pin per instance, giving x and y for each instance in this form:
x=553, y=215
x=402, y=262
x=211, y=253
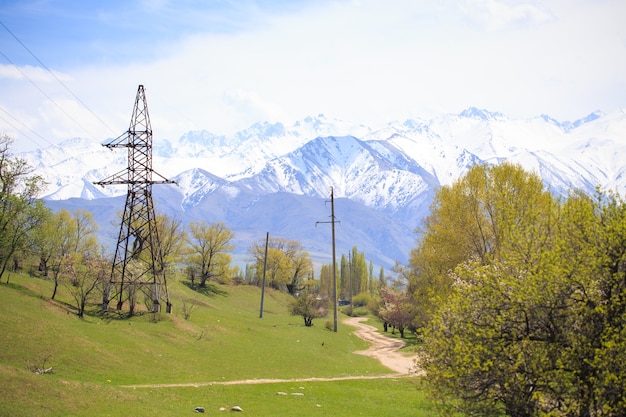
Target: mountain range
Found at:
x=278, y=179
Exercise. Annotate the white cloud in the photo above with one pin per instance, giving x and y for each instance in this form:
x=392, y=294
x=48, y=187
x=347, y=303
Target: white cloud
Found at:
x=35, y=74
x=364, y=61
x=252, y=106
x=496, y=15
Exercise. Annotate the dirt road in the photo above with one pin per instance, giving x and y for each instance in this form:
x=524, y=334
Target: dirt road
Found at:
x=382, y=348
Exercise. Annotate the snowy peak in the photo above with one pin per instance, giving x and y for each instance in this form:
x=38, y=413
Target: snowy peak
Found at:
x=481, y=114
x=373, y=173
x=271, y=176
x=195, y=184
x=374, y=166
x=568, y=126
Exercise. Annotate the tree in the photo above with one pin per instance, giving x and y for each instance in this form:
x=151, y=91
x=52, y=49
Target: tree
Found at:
x=172, y=240
x=309, y=307
x=397, y=308
x=536, y=327
x=287, y=265
x=20, y=211
x=87, y=271
x=60, y=239
x=210, y=245
x=474, y=219
x=382, y=280
x=354, y=274
x=326, y=281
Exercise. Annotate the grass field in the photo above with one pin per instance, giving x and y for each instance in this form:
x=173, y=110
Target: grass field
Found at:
x=96, y=361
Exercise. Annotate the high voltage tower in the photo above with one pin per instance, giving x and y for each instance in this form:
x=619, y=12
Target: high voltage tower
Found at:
x=138, y=263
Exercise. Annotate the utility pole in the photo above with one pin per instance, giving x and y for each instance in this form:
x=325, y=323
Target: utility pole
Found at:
x=267, y=240
x=332, y=221
x=138, y=261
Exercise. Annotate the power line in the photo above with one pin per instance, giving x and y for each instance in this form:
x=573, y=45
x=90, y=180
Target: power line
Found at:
x=23, y=134
x=45, y=95
x=57, y=78
x=14, y=118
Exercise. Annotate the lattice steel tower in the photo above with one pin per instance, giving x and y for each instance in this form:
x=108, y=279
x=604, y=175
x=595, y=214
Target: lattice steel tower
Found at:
x=138, y=263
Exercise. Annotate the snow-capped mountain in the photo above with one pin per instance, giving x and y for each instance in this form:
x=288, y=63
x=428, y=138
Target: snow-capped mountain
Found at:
x=275, y=178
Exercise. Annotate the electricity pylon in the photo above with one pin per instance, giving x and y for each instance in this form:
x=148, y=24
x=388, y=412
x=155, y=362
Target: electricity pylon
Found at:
x=138, y=263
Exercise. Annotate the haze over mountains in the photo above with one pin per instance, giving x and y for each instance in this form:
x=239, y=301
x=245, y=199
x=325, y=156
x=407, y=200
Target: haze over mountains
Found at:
x=277, y=179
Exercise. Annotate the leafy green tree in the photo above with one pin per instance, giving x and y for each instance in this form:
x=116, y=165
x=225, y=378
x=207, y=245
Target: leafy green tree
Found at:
x=210, y=247
x=473, y=220
x=326, y=281
x=87, y=271
x=287, y=266
x=535, y=327
x=345, y=275
x=20, y=212
x=60, y=239
x=172, y=239
x=309, y=307
x=370, y=281
x=353, y=276
x=382, y=279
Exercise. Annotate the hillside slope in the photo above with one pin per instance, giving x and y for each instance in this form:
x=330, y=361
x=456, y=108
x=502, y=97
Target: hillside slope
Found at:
x=93, y=359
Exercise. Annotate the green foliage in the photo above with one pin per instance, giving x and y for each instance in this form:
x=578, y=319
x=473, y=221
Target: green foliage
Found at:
x=65, y=244
x=309, y=307
x=288, y=265
x=354, y=274
x=210, y=246
x=361, y=299
x=20, y=212
x=490, y=213
x=326, y=281
x=355, y=311
x=172, y=240
x=533, y=317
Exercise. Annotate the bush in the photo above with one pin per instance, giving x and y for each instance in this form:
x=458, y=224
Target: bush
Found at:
x=361, y=299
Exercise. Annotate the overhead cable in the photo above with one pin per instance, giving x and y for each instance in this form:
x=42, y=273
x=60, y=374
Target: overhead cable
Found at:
x=56, y=78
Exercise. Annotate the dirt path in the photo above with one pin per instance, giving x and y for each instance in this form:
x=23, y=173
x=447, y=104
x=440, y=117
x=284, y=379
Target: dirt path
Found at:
x=382, y=348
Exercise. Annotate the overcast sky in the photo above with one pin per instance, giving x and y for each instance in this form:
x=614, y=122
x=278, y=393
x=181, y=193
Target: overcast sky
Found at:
x=71, y=68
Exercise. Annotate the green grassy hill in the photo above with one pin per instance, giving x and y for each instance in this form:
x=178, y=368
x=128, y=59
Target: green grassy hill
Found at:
x=98, y=363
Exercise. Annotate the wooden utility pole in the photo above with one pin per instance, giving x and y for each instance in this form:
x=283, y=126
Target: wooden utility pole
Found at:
x=332, y=216
x=267, y=239
x=332, y=221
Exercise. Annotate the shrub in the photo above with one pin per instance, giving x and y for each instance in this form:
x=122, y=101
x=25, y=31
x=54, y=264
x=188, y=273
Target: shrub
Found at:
x=361, y=299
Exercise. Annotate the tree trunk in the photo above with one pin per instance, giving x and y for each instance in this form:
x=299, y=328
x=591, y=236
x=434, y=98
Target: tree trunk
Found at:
x=54, y=290
x=43, y=267
x=203, y=279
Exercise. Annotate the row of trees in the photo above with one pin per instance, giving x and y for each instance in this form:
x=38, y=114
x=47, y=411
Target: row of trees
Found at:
x=520, y=297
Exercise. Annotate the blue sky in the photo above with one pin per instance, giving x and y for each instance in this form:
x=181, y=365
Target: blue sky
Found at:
x=223, y=65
